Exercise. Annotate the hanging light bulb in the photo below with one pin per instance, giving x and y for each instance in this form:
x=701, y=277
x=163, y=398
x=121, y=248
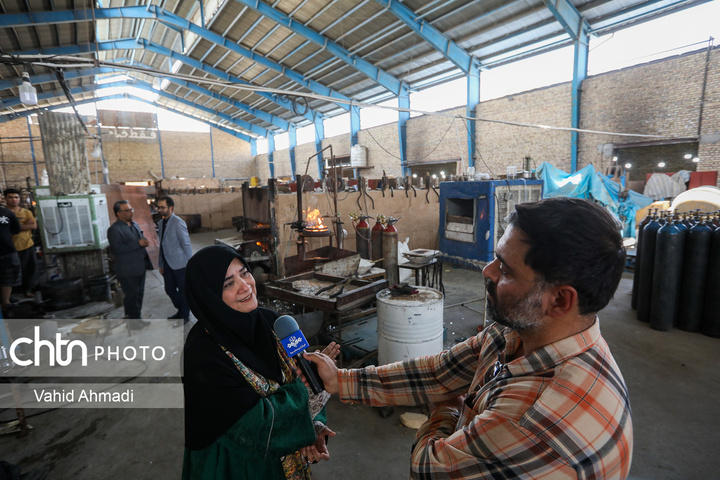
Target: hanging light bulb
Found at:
x=661, y=164
x=696, y=159
x=628, y=165
x=28, y=94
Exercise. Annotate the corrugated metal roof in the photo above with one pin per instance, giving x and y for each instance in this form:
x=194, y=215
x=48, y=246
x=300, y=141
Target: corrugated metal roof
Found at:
x=356, y=49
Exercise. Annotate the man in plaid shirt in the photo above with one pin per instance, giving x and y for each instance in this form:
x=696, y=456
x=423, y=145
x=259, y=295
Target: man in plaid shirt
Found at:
x=537, y=394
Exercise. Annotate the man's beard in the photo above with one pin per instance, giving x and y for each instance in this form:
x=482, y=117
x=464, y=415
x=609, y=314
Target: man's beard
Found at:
x=519, y=314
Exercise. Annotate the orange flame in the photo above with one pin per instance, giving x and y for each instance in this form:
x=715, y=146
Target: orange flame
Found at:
x=314, y=221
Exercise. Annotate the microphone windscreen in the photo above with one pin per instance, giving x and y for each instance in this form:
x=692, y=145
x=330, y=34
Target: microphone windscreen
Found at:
x=285, y=326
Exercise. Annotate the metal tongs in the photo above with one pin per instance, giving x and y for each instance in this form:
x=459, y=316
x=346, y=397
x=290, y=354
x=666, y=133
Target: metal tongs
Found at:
x=344, y=283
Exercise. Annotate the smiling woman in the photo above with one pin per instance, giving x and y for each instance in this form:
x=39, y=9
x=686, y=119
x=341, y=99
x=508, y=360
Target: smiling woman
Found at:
x=241, y=389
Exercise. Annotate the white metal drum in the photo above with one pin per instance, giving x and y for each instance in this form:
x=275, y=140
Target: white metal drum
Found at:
x=409, y=326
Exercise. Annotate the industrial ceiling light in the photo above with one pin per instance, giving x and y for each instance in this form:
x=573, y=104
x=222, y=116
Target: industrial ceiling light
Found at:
x=628, y=165
x=688, y=156
x=28, y=94
x=696, y=159
x=615, y=159
x=661, y=164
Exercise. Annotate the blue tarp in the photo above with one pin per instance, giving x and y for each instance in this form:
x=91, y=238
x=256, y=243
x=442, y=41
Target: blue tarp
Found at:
x=588, y=183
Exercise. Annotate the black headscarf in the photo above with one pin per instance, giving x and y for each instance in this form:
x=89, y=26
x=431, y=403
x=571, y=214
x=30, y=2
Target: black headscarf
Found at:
x=216, y=394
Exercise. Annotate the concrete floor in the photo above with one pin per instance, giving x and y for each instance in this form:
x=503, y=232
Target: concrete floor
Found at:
x=673, y=378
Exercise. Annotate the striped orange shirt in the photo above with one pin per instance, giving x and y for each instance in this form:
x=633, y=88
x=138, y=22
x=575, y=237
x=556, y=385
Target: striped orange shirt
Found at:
x=560, y=412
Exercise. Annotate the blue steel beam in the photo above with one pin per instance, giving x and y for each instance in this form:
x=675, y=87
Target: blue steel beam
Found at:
x=319, y=135
x=154, y=12
x=142, y=44
x=577, y=28
x=354, y=125
x=451, y=50
x=146, y=86
x=271, y=154
x=473, y=99
x=568, y=16
x=580, y=66
x=292, y=138
x=403, y=117
x=70, y=74
x=378, y=75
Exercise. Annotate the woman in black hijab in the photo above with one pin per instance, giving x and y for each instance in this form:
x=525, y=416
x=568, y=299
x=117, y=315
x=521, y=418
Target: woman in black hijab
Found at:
x=247, y=415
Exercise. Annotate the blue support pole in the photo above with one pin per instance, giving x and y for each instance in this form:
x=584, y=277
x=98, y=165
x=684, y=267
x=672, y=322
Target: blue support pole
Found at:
x=162, y=161
x=253, y=147
x=212, y=154
x=403, y=117
x=271, y=151
x=579, y=74
x=354, y=124
x=32, y=150
x=319, y=135
x=473, y=99
x=202, y=14
x=292, y=135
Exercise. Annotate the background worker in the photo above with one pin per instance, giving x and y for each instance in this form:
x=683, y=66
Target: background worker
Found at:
x=23, y=241
x=175, y=251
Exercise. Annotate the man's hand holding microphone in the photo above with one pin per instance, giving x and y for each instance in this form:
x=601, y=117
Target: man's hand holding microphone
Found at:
x=326, y=369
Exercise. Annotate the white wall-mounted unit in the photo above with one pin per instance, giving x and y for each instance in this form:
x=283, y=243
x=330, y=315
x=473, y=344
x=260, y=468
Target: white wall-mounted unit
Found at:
x=73, y=223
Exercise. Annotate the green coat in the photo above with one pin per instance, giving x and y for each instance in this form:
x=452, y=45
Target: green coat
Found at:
x=251, y=449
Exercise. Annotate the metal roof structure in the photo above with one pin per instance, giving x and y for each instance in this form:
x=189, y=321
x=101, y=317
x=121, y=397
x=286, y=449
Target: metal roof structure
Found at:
x=255, y=68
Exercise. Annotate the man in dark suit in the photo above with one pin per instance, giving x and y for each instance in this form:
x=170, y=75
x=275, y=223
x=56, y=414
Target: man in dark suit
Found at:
x=175, y=251
x=127, y=245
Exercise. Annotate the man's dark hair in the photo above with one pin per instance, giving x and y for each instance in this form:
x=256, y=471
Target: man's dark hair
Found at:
x=116, y=207
x=9, y=191
x=169, y=201
x=573, y=242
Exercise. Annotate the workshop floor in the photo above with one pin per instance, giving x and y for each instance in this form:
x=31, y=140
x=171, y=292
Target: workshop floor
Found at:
x=673, y=378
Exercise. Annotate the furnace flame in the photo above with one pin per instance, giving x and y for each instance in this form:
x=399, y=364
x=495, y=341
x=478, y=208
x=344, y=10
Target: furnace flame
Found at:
x=314, y=221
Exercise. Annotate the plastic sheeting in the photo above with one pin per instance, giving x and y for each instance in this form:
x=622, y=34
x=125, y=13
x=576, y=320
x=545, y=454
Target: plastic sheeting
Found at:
x=588, y=183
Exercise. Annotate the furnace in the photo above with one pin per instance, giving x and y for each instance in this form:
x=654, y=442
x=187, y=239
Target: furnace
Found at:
x=472, y=217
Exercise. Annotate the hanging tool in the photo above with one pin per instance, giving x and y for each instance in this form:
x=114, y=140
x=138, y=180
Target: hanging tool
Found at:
x=427, y=184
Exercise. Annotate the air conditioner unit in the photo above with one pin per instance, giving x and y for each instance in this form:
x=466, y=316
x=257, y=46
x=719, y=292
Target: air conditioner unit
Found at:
x=73, y=223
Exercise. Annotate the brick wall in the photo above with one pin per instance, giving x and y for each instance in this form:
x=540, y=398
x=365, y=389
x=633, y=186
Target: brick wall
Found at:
x=132, y=153
x=500, y=145
x=658, y=98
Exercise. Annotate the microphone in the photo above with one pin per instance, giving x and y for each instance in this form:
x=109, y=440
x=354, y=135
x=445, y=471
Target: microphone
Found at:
x=294, y=343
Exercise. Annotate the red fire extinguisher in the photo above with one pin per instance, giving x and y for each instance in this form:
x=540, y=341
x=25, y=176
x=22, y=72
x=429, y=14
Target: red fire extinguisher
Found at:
x=376, y=237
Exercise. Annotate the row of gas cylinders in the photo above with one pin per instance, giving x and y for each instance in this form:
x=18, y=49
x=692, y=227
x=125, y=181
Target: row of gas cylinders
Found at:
x=677, y=272
x=379, y=242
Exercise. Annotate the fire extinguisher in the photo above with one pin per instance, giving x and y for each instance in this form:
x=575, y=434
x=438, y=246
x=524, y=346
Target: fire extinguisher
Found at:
x=362, y=237
x=376, y=238
x=390, y=251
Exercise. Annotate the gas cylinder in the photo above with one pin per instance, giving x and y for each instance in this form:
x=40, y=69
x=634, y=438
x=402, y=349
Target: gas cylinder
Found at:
x=376, y=237
x=669, y=249
x=694, y=274
x=362, y=237
x=638, y=261
x=646, y=268
x=390, y=251
x=711, y=311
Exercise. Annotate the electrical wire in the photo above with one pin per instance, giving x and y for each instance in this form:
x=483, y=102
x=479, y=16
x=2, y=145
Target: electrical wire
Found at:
x=49, y=62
